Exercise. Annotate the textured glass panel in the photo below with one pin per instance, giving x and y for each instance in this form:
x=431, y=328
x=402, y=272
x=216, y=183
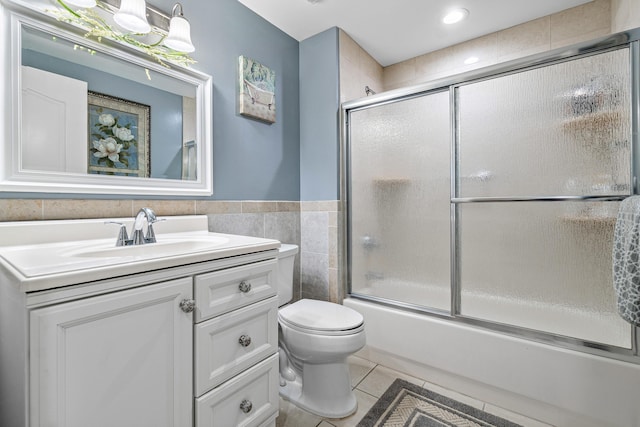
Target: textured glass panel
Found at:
x=562, y=129
x=400, y=191
x=543, y=266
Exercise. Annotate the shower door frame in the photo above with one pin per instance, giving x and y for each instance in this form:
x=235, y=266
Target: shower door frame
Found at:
x=628, y=39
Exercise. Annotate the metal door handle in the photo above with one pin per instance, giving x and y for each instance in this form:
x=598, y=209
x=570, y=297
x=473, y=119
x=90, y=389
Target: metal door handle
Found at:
x=246, y=406
x=187, y=305
x=244, y=286
x=244, y=340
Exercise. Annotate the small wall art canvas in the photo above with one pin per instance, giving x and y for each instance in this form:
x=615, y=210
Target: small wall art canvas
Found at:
x=118, y=136
x=257, y=97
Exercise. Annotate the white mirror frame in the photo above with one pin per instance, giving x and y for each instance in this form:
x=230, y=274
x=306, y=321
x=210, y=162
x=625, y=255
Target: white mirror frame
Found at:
x=13, y=178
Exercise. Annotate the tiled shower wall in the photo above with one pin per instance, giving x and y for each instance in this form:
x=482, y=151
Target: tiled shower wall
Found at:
x=581, y=23
x=585, y=22
x=625, y=15
x=358, y=70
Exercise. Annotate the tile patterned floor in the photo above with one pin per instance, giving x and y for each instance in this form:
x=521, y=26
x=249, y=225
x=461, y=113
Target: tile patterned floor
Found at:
x=370, y=381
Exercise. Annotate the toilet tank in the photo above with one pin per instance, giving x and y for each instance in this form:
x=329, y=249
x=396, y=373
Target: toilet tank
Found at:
x=286, y=257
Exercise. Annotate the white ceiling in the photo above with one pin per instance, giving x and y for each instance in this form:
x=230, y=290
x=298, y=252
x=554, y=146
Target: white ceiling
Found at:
x=395, y=30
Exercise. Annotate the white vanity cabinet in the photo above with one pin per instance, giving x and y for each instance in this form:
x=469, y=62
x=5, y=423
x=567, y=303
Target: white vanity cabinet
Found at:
x=179, y=340
x=120, y=359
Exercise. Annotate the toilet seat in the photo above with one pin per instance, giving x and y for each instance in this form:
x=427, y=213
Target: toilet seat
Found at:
x=321, y=318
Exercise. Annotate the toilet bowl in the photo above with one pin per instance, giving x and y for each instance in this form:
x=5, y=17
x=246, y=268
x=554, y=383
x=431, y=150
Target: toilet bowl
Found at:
x=315, y=339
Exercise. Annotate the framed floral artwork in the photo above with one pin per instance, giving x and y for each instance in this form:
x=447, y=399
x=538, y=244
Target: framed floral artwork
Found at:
x=118, y=136
x=257, y=95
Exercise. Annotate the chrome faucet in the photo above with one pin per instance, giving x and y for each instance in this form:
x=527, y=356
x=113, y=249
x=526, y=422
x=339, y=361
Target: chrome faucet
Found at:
x=138, y=237
x=145, y=215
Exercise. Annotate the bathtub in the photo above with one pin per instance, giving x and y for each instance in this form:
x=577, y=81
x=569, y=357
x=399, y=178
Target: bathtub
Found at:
x=554, y=385
x=582, y=323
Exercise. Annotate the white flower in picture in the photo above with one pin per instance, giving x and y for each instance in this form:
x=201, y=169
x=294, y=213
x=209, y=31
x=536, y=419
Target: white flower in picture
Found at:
x=107, y=148
x=122, y=133
x=106, y=119
x=118, y=136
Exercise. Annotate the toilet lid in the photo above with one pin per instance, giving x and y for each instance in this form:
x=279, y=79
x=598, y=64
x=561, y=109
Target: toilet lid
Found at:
x=320, y=316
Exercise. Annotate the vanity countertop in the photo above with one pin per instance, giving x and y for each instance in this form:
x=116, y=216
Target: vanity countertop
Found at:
x=41, y=255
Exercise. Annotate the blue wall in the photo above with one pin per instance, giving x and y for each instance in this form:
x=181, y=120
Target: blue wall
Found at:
x=319, y=116
x=251, y=160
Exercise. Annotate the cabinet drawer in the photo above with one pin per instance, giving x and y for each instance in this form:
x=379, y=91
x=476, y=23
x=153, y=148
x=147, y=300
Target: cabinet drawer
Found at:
x=220, y=292
x=257, y=388
x=219, y=352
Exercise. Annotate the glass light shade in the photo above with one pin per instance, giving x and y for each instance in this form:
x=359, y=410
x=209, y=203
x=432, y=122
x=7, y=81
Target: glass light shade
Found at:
x=179, y=37
x=132, y=16
x=82, y=3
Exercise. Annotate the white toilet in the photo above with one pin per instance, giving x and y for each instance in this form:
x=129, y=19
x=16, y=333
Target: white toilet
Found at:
x=315, y=338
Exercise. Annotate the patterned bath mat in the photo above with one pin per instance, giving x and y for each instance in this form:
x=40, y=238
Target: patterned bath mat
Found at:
x=408, y=405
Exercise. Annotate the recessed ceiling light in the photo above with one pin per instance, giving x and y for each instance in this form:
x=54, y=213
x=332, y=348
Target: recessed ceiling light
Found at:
x=455, y=15
x=471, y=60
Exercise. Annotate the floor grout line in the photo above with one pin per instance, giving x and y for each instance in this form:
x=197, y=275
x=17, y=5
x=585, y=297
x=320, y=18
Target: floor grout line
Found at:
x=372, y=395
x=365, y=376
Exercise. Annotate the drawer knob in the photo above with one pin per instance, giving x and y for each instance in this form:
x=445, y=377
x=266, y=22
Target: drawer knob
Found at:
x=244, y=340
x=187, y=305
x=244, y=286
x=246, y=406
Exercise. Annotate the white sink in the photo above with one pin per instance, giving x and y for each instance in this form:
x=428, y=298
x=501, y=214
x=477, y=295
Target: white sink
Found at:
x=48, y=254
x=162, y=248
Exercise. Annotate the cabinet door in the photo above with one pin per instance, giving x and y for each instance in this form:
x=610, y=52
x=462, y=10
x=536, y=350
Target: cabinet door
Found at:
x=121, y=359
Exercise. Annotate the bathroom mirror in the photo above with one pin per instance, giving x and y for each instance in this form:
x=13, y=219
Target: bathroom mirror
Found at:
x=83, y=116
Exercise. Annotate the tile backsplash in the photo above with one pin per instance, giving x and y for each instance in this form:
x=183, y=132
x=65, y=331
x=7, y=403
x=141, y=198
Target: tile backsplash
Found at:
x=313, y=226
x=319, y=250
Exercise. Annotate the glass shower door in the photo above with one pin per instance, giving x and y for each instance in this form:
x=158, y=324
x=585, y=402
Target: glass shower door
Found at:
x=399, y=201
x=540, y=154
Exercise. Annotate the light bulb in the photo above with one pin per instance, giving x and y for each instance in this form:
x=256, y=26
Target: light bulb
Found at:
x=454, y=16
x=132, y=16
x=179, y=37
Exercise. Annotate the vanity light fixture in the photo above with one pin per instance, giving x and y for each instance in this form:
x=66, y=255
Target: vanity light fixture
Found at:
x=455, y=15
x=132, y=16
x=179, y=37
x=172, y=34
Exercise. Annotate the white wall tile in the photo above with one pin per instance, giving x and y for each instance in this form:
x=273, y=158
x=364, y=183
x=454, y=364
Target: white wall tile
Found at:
x=625, y=15
x=581, y=23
